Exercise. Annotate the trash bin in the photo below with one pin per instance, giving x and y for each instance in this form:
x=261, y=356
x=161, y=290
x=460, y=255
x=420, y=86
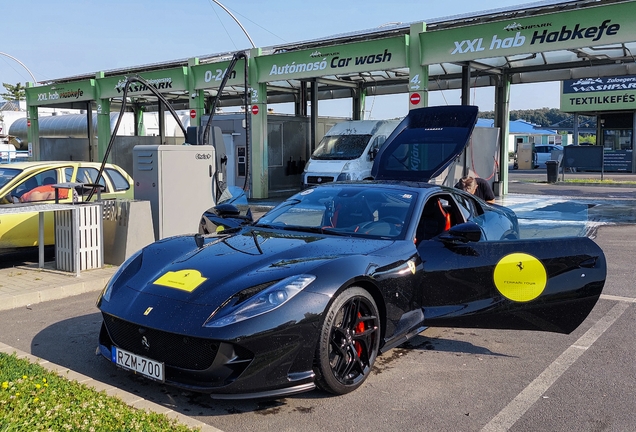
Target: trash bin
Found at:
x=553, y=170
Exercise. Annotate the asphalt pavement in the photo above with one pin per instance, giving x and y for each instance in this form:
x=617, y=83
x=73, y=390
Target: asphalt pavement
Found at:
x=22, y=286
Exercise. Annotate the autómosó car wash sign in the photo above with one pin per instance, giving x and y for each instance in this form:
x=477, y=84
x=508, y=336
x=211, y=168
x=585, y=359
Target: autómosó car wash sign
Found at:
x=164, y=81
x=78, y=91
x=389, y=53
x=210, y=75
x=599, y=94
x=592, y=26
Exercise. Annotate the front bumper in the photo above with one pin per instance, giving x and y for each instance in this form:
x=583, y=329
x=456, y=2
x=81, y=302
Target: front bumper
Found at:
x=225, y=369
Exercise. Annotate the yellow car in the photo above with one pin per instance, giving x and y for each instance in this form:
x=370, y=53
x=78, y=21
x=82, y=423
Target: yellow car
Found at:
x=24, y=182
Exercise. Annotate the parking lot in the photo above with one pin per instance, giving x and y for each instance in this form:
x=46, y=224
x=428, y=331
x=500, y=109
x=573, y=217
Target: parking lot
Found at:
x=444, y=379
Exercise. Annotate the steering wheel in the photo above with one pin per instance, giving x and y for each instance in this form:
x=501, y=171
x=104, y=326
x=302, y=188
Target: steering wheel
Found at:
x=392, y=220
x=382, y=227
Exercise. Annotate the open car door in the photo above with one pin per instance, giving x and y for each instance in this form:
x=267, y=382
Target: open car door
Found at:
x=540, y=284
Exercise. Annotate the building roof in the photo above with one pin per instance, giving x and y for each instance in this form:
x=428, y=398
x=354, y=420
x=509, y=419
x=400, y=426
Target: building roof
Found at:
x=519, y=127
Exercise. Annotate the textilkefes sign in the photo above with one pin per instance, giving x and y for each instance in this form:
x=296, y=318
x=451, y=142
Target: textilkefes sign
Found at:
x=592, y=26
x=599, y=94
x=374, y=55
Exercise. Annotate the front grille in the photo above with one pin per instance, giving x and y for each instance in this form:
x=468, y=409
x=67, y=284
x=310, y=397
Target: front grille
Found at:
x=319, y=179
x=174, y=350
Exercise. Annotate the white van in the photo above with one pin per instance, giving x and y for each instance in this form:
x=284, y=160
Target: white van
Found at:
x=346, y=152
x=8, y=153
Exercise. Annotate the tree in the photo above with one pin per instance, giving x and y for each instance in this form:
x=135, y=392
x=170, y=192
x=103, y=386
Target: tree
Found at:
x=15, y=92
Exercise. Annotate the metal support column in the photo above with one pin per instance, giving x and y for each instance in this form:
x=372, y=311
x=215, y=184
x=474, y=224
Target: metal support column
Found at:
x=358, y=103
x=91, y=132
x=300, y=107
x=465, y=85
x=575, y=129
x=314, y=113
x=162, y=123
x=502, y=121
x=633, y=140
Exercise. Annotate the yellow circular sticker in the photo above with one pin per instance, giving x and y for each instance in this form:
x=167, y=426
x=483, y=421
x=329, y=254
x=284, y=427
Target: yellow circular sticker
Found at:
x=520, y=277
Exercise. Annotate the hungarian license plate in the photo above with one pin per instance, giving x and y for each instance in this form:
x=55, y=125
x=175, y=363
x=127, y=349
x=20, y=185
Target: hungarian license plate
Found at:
x=142, y=365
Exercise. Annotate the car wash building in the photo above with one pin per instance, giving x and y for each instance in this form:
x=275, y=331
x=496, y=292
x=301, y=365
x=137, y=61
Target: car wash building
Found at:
x=541, y=42
x=613, y=101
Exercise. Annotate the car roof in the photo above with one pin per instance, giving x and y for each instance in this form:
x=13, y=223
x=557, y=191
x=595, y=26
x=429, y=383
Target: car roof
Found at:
x=425, y=143
x=52, y=164
x=391, y=184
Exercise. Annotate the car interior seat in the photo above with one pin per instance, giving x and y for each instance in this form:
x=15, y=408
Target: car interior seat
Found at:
x=434, y=221
x=350, y=212
x=29, y=184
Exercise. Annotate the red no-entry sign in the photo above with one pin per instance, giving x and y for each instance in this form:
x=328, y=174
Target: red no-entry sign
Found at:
x=415, y=98
x=193, y=113
x=254, y=109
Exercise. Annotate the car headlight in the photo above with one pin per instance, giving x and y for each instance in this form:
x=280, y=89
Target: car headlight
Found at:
x=344, y=176
x=263, y=302
x=307, y=166
x=126, y=270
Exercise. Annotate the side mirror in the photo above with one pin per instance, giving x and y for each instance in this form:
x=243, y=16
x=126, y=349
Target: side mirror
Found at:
x=373, y=153
x=464, y=233
x=227, y=210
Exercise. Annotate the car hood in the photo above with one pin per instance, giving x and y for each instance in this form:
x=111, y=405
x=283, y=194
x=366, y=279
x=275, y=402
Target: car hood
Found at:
x=178, y=269
x=426, y=142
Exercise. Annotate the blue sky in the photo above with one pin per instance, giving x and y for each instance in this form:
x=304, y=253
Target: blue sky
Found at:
x=62, y=38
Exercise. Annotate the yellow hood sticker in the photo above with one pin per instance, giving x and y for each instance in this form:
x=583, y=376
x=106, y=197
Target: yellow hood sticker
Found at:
x=186, y=280
x=520, y=277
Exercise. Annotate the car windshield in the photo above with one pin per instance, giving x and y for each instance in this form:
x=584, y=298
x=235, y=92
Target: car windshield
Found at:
x=341, y=147
x=351, y=210
x=7, y=174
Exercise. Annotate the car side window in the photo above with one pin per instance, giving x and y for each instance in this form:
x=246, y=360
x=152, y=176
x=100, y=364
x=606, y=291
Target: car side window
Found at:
x=469, y=207
x=439, y=214
x=89, y=175
x=38, y=187
x=68, y=174
x=117, y=179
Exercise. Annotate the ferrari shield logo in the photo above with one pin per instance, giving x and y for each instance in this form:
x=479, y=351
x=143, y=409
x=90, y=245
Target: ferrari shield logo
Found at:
x=411, y=265
x=520, y=277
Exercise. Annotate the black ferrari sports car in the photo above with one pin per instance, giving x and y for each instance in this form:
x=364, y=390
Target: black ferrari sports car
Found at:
x=313, y=291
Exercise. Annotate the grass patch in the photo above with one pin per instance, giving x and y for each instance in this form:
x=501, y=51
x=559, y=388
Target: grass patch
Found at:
x=599, y=181
x=35, y=399
x=608, y=182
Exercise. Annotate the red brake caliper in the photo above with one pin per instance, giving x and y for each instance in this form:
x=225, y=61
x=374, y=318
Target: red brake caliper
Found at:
x=359, y=329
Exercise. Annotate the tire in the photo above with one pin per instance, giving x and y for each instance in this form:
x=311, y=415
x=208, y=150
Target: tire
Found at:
x=349, y=342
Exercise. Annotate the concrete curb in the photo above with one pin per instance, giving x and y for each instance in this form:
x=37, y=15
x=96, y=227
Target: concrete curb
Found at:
x=129, y=399
x=53, y=293
x=30, y=285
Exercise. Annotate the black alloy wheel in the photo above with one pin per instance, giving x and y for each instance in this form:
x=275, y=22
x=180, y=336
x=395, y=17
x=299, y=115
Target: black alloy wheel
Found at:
x=349, y=342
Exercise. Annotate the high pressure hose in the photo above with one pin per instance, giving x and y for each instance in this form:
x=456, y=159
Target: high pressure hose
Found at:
x=122, y=110
x=206, y=131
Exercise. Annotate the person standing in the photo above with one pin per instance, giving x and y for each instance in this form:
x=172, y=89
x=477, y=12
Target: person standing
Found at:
x=478, y=187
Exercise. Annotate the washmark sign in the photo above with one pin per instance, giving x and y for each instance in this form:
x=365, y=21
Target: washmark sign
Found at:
x=193, y=113
x=585, y=27
x=254, y=109
x=415, y=98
